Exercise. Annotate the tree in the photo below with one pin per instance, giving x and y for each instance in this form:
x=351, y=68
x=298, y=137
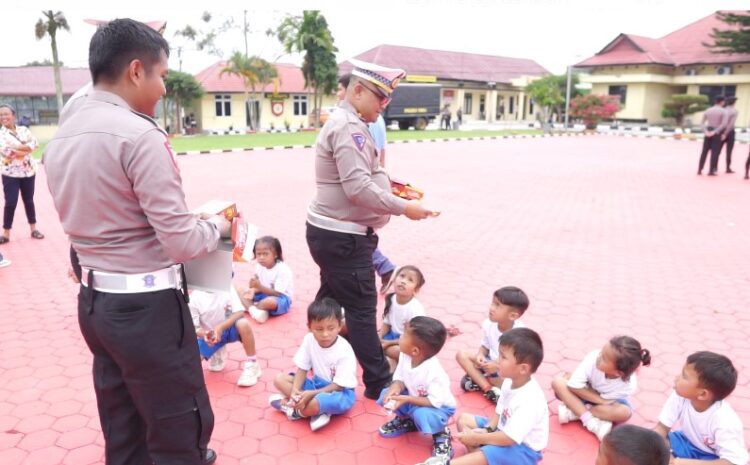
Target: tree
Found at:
x=309, y=34
x=254, y=71
x=682, y=105
x=594, y=108
x=48, y=25
x=733, y=40
x=204, y=37
x=45, y=62
x=181, y=89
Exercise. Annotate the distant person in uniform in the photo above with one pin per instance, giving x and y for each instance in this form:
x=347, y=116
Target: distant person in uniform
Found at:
x=713, y=123
x=727, y=137
x=117, y=189
x=459, y=116
x=352, y=200
x=446, y=121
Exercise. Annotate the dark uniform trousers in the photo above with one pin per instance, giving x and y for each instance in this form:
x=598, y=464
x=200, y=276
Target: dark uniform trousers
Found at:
x=713, y=144
x=347, y=275
x=152, y=398
x=729, y=141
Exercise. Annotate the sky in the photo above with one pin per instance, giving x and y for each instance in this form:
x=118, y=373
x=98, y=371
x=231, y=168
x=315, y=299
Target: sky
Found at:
x=554, y=33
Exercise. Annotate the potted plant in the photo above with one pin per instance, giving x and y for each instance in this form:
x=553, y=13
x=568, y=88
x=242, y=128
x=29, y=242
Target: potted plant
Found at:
x=287, y=124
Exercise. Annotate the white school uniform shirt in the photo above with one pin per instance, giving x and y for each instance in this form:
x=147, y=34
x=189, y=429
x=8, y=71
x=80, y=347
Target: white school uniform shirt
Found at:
x=491, y=336
x=336, y=364
x=399, y=315
x=717, y=430
x=279, y=278
x=208, y=309
x=524, y=415
x=429, y=379
x=586, y=373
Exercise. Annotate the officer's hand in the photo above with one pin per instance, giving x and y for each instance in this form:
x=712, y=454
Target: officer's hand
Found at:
x=415, y=211
x=222, y=224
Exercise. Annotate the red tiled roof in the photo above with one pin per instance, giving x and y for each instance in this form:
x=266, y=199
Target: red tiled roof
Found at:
x=679, y=48
x=35, y=81
x=291, y=80
x=458, y=66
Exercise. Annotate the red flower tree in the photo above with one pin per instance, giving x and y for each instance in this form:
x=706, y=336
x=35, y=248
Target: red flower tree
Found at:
x=593, y=108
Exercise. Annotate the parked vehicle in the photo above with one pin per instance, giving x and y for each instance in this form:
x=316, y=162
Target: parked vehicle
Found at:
x=413, y=105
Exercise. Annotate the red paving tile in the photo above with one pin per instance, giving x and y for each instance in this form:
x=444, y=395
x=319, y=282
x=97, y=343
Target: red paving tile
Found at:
x=607, y=235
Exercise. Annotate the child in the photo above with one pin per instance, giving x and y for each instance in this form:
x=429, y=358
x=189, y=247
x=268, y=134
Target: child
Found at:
x=632, y=445
x=218, y=318
x=597, y=392
x=711, y=430
x=519, y=429
x=271, y=288
x=331, y=389
x=400, y=307
x=508, y=305
x=420, y=394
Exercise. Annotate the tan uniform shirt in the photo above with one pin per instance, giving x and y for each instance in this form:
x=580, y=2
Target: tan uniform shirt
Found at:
x=731, y=119
x=117, y=189
x=715, y=119
x=351, y=185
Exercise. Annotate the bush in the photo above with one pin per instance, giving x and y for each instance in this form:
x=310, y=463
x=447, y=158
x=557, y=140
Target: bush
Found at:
x=594, y=108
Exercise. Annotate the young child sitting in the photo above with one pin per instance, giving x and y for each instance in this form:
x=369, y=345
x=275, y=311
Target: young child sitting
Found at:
x=632, y=445
x=711, y=430
x=400, y=306
x=420, y=394
x=519, y=429
x=330, y=391
x=271, y=288
x=218, y=318
x=508, y=305
x=597, y=392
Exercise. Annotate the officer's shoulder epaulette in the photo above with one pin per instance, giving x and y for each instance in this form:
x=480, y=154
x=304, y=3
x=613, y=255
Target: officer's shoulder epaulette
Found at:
x=150, y=120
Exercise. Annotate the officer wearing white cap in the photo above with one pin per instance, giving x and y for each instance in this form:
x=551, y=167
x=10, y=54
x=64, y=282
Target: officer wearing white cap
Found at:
x=353, y=199
x=118, y=192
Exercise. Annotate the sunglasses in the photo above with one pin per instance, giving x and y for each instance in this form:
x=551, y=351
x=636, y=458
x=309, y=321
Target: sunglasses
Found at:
x=384, y=100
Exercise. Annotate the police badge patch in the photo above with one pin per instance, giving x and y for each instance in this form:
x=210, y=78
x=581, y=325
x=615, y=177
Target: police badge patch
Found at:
x=149, y=281
x=359, y=140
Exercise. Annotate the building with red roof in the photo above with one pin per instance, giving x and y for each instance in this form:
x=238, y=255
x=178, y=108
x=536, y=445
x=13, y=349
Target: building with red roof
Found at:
x=646, y=72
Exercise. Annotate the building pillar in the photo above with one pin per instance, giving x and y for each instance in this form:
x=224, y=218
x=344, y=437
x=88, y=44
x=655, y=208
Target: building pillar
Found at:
x=490, y=104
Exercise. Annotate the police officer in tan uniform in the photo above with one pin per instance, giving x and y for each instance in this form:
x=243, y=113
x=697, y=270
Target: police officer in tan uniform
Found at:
x=118, y=192
x=714, y=122
x=353, y=199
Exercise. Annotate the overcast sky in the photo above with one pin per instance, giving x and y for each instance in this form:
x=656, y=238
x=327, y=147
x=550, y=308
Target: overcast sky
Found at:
x=554, y=33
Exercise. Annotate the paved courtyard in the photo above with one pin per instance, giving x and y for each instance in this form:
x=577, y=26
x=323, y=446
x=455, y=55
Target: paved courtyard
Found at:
x=608, y=235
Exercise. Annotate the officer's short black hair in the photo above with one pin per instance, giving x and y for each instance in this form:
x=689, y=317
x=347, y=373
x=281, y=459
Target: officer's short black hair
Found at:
x=526, y=346
x=323, y=309
x=715, y=373
x=116, y=44
x=513, y=297
x=344, y=80
x=719, y=99
x=635, y=445
x=430, y=334
x=731, y=100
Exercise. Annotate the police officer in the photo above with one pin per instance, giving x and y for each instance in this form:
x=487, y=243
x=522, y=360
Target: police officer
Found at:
x=727, y=136
x=714, y=122
x=118, y=192
x=353, y=200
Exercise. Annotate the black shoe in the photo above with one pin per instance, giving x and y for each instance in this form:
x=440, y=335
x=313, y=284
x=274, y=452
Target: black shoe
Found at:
x=492, y=395
x=385, y=280
x=373, y=392
x=712, y=173
x=729, y=171
x=210, y=457
x=700, y=172
x=747, y=176
x=441, y=444
x=468, y=384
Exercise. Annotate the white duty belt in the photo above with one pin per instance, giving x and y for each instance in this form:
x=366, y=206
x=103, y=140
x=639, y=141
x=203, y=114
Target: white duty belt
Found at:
x=332, y=224
x=121, y=283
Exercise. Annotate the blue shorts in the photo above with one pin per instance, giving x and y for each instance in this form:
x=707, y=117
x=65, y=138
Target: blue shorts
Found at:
x=283, y=302
x=332, y=403
x=429, y=420
x=392, y=336
x=683, y=448
x=229, y=335
x=520, y=454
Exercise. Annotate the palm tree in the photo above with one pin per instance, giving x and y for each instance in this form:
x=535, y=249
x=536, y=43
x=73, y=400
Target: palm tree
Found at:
x=255, y=72
x=48, y=25
x=309, y=34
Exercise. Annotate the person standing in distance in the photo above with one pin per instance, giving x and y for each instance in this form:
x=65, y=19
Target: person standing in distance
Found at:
x=352, y=200
x=714, y=121
x=118, y=192
x=727, y=136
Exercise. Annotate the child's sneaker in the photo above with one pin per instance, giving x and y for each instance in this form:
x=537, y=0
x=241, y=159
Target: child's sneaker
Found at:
x=217, y=362
x=4, y=262
x=261, y=316
x=468, y=384
x=397, y=427
x=441, y=444
x=277, y=402
x=599, y=427
x=493, y=394
x=565, y=415
x=318, y=421
x=437, y=460
x=250, y=374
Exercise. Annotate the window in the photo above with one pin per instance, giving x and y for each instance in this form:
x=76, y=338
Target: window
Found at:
x=467, y=104
x=300, y=105
x=714, y=91
x=620, y=91
x=511, y=105
x=223, y=105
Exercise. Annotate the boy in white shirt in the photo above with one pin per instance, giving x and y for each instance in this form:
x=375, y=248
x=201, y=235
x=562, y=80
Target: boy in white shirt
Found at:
x=519, y=430
x=219, y=319
x=509, y=303
x=330, y=391
x=711, y=431
x=420, y=394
